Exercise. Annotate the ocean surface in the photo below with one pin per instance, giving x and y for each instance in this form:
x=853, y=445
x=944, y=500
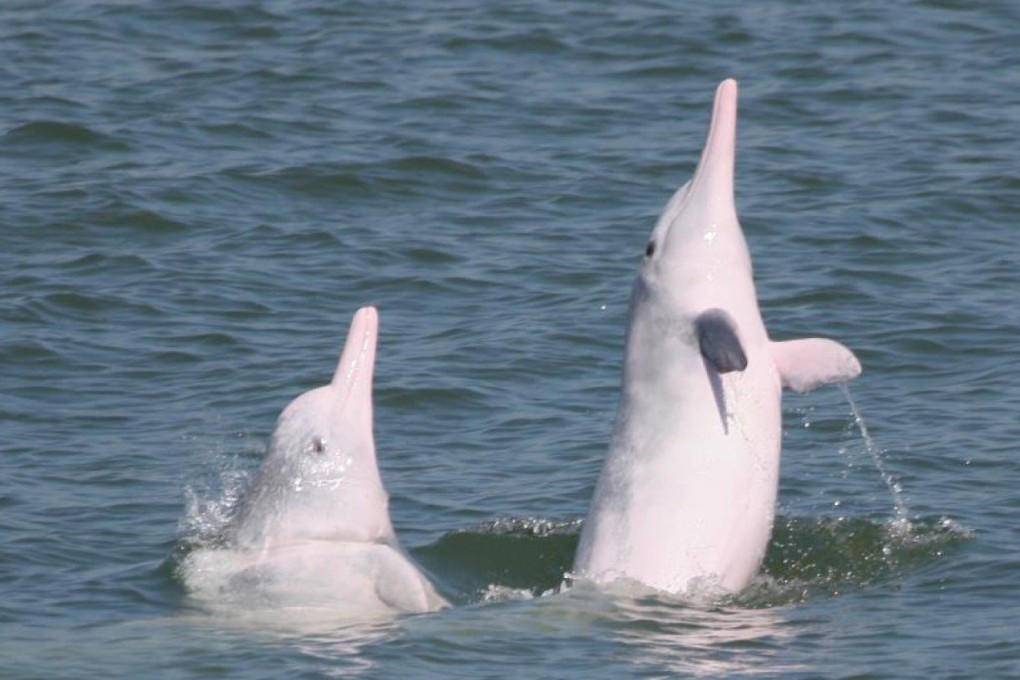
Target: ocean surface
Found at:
x=196, y=196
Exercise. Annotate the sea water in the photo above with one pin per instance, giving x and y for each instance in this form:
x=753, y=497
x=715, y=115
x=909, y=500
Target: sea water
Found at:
x=195, y=197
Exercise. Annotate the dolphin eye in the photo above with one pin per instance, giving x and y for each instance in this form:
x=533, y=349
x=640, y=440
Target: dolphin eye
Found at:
x=317, y=445
x=650, y=249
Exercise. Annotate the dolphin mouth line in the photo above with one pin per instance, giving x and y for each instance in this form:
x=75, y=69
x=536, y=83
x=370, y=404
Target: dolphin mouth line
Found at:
x=718, y=155
x=358, y=363
x=354, y=372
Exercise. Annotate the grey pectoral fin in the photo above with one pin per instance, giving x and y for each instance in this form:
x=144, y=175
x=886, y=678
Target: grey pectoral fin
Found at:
x=812, y=362
x=719, y=394
x=719, y=341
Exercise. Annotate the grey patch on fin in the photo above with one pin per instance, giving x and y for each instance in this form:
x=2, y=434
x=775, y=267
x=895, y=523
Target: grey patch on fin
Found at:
x=718, y=341
x=720, y=399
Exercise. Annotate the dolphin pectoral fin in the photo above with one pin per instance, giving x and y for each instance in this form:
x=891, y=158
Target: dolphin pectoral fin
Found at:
x=720, y=399
x=812, y=362
x=719, y=342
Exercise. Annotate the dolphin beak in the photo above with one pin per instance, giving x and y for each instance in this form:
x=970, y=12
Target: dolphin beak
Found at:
x=714, y=176
x=353, y=375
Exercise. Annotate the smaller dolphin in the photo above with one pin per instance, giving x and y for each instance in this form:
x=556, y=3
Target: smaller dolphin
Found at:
x=687, y=496
x=313, y=530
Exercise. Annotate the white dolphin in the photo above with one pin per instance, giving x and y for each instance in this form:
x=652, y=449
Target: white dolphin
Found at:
x=686, y=499
x=313, y=531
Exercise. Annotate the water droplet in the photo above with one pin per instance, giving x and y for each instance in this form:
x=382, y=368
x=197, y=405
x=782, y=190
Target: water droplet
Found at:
x=900, y=513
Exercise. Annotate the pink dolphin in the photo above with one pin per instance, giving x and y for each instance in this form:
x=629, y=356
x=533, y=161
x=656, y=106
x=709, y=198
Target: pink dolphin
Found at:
x=686, y=499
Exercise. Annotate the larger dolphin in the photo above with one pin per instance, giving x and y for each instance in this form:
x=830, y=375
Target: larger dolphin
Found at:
x=314, y=530
x=686, y=499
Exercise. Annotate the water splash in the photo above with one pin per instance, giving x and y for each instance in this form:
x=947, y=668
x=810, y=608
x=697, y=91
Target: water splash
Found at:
x=210, y=507
x=901, y=520
x=511, y=559
x=828, y=556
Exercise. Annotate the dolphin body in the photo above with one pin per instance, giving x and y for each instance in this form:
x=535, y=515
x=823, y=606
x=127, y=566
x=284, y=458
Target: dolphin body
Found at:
x=686, y=499
x=313, y=531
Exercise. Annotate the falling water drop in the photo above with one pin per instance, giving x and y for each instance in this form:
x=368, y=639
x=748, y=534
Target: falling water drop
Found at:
x=901, y=521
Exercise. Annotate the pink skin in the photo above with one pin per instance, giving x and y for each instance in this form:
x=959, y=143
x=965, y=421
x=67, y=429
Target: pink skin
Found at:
x=314, y=528
x=320, y=478
x=686, y=499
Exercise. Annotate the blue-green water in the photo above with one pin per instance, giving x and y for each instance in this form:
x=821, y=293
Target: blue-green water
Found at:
x=194, y=198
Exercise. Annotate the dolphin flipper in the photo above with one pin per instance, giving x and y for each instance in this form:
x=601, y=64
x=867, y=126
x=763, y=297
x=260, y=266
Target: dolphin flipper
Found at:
x=719, y=342
x=812, y=362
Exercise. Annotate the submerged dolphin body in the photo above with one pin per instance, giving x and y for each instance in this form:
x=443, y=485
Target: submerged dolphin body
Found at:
x=313, y=530
x=686, y=499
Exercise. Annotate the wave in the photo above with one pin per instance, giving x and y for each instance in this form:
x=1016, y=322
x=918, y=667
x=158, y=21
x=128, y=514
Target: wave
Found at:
x=807, y=557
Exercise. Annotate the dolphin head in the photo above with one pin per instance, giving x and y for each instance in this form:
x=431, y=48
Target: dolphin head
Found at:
x=320, y=479
x=697, y=243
